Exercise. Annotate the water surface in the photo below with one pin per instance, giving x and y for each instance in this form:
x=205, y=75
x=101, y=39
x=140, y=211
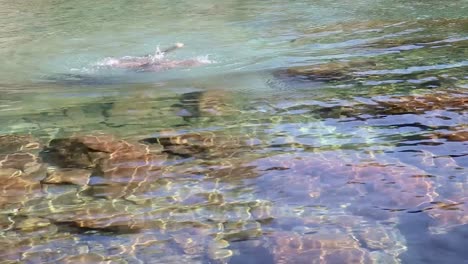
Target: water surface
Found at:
x=319, y=132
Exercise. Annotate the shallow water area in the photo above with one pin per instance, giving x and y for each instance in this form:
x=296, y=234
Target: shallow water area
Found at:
x=282, y=132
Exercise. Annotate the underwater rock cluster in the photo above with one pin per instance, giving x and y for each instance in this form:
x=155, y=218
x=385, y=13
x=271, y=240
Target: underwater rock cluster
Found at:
x=83, y=184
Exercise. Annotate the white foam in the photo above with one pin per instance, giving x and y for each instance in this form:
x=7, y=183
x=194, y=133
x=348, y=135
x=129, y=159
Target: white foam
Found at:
x=107, y=62
x=113, y=62
x=84, y=70
x=204, y=59
x=158, y=55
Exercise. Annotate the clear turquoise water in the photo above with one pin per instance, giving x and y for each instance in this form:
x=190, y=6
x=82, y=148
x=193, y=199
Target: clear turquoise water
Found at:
x=359, y=156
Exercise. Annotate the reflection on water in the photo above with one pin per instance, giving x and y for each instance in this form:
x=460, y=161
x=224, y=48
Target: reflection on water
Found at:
x=320, y=135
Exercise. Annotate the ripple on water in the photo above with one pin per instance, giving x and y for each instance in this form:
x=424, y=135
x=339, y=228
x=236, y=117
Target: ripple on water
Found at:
x=318, y=136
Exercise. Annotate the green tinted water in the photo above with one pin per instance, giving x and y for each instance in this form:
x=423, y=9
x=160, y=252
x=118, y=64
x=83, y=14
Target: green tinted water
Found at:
x=319, y=132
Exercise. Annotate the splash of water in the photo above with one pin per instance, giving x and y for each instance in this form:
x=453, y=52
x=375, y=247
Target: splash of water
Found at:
x=158, y=55
x=204, y=59
x=151, y=62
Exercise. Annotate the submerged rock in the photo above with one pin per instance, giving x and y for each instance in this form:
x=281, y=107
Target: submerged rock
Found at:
x=290, y=247
x=26, y=164
x=20, y=171
x=31, y=224
x=205, y=103
x=102, y=216
x=18, y=157
x=69, y=153
x=394, y=187
x=74, y=176
x=18, y=143
x=419, y=104
x=455, y=136
x=85, y=259
x=448, y=214
x=358, y=184
x=201, y=144
x=332, y=71
x=15, y=190
x=119, y=168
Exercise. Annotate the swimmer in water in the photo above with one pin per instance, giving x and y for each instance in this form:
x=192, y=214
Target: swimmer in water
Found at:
x=156, y=62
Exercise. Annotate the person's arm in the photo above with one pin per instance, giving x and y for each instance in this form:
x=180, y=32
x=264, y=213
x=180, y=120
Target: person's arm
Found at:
x=173, y=47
